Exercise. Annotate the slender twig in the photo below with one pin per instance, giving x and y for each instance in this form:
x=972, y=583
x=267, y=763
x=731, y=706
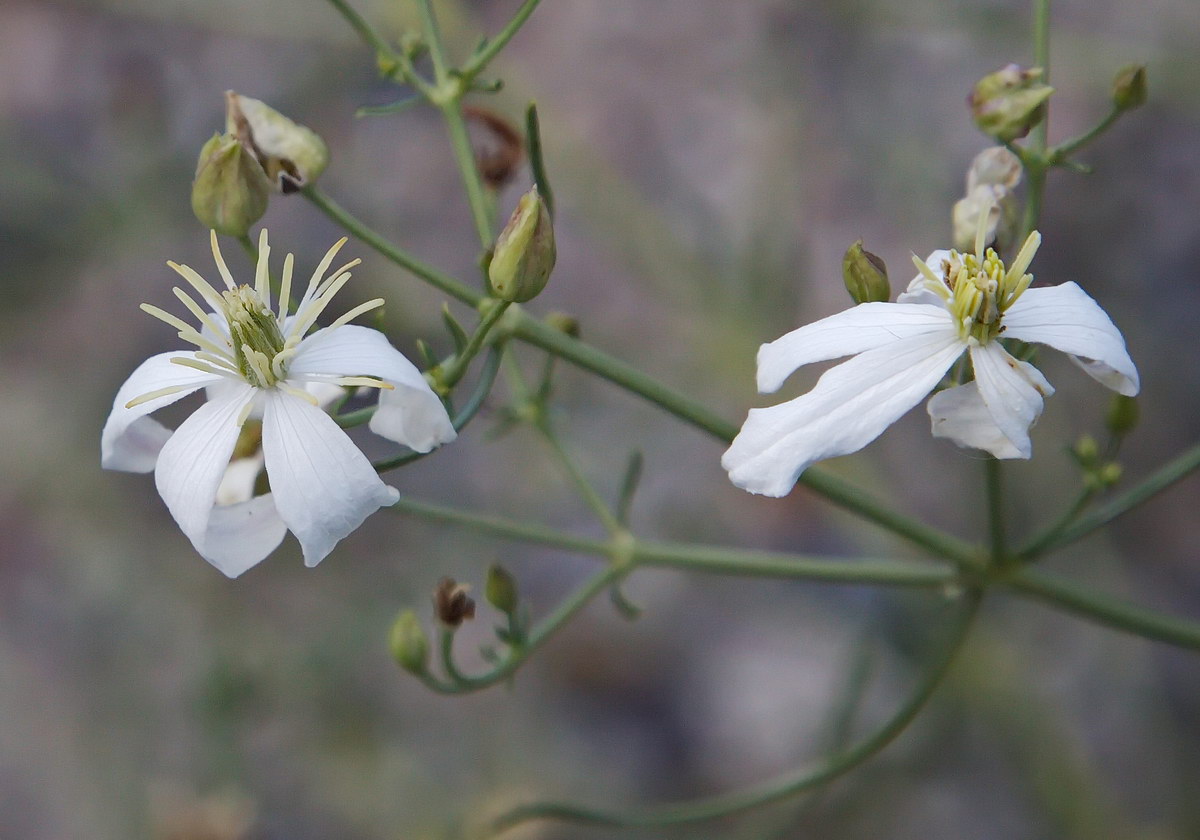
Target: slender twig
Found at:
x=696, y=558
x=1179, y=467
x=782, y=788
x=477, y=63
x=1105, y=609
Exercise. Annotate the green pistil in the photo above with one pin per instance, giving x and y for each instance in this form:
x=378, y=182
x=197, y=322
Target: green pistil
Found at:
x=255, y=335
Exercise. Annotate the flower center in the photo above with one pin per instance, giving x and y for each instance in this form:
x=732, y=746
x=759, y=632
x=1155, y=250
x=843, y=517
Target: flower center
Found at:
x=259, y=341
x=978, y=288
x=256, y=337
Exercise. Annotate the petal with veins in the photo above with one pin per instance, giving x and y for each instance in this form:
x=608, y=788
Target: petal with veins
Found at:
x=131, y=441
x=849, y=407
x=192, y=463
x=324, y=487
x=410, y=413
x=866, y=326
x=1011, y=391
x=1067, y=319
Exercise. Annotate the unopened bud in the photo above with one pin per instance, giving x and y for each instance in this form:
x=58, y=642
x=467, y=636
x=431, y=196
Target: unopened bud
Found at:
x=1110, y=474
x=525, y=253
x=501, y=589
x=451, y=603
x=230, y=191
x=1129, y=87
x=1122, y=416
x=865, y=275
x=1008, y=103
x=1086, y=451
x=408, y=644
x=291, y=155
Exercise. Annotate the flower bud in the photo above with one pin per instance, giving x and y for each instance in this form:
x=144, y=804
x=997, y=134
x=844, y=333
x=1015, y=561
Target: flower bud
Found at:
x=229, y=192
x=1008, y=103
x=865, y=275
x=994, y=166
x=451, y=604
x=1129, y=87
x=525, y=253
x=408, y=644
x=291, y=155
x=1122, y=416
x=1086, y=451
x=501, y=589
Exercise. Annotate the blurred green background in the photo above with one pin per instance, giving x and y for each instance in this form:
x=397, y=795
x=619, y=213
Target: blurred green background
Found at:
x=712, y=161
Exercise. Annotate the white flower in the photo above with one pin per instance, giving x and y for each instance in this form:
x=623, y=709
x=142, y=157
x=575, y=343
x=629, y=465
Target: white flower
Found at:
x=902, y=350
x=255, y=360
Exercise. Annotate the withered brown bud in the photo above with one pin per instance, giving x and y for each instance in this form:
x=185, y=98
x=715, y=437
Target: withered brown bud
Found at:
x=497, y=143
x=451, y=603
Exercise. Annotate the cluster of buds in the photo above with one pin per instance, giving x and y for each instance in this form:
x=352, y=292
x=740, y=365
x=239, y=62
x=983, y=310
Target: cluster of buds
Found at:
x=261, y=151
x=991, y=181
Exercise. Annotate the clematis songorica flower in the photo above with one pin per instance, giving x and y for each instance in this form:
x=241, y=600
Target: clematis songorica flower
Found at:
x=901, y=351
x=259, y=361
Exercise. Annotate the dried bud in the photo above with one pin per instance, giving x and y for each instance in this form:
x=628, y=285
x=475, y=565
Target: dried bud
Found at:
x=451, y=603
x=525, y=253
x=408, y=644
x=498, y=146
x=865, y=275
x=1008, y=103
x=1122, y=416
x=501, y=589
x=291, y=155
x=1129, y=87
x=994, y=166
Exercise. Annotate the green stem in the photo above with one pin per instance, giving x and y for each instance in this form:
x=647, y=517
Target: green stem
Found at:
x=995, y=505
x=447, y=377
x=1179, y=467
x=1104, y=609
x=517, y=656
x=477, y=63
x=438, y=279
x=365, y=31
x=697, y=558
x=464, y=155
x=1041, y=58
x=782, y=788
x=1064, y=150
x=539, y=334
x=1038, y=545
x=450, y=90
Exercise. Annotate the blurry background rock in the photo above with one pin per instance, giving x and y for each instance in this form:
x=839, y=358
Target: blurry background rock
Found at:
x=711, y=161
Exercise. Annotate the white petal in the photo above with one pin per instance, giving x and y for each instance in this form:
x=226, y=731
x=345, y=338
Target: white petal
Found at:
x=410, y=413
x=960, y=415
x=324, y=487
x=856, y=330
x=918, y=290
x=849, y=407
x=1067, y=319
x=193, y=461
x=240, y=536
x=1011, y=391
x=131, y=441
